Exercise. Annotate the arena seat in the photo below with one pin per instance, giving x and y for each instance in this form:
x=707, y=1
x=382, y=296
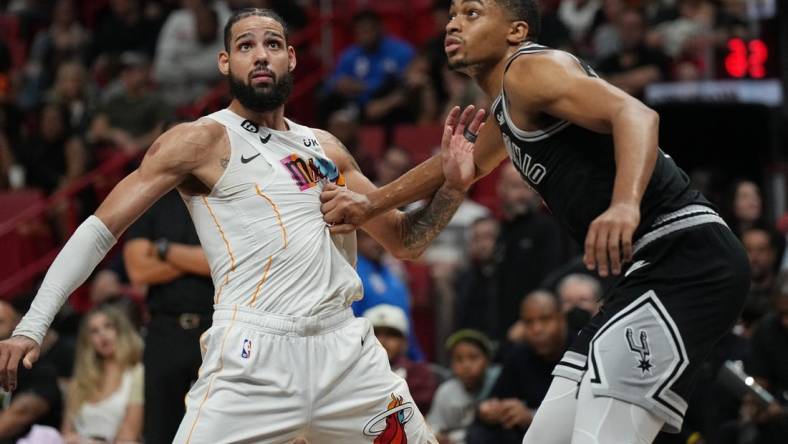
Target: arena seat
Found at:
x=421, y=141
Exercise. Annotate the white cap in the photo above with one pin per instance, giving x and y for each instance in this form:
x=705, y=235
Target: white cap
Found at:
x=389, y=316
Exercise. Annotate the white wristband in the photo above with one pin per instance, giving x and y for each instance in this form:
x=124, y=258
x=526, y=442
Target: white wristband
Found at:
x=71, y=268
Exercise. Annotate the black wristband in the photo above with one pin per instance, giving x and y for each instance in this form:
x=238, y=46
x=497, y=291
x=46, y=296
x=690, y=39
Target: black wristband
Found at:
x=162, y=246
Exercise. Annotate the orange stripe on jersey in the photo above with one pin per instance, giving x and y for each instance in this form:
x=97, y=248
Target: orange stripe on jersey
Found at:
x=210, y=383
x=226, y=244
x=276, y=211
x=262, y=281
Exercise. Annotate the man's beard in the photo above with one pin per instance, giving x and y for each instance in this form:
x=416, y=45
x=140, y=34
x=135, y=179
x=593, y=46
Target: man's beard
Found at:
x=262, y=99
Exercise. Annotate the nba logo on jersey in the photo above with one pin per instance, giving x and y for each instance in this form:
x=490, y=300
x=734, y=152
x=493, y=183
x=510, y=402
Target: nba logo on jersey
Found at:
x=246, y=350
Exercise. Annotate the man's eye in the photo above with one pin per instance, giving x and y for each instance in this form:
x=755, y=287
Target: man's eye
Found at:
x=472, y=13
x=274, y=45
x=245, y=46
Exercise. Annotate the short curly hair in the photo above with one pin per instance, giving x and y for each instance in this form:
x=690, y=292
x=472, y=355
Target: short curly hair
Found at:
x=250, y=12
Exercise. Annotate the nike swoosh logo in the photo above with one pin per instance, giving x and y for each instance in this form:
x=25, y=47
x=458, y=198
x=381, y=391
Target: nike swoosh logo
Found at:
x=266, y=138
x=635, y=266
x=248, y=159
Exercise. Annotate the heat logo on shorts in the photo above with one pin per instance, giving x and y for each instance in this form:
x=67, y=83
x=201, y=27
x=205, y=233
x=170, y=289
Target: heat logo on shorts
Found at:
x=246, y=350
x=388, y=427
x=307, y=173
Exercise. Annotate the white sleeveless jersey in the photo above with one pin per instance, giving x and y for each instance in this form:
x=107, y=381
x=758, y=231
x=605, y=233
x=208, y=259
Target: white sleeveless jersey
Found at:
x=261, y=227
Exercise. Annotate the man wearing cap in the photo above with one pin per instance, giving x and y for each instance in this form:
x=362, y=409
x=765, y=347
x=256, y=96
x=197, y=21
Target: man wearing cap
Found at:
x=391, y=329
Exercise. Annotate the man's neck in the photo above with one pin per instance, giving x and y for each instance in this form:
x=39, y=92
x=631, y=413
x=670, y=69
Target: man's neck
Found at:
x=274, y=120
x=490, y=80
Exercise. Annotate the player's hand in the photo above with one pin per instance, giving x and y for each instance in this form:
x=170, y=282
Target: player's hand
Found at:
x=12, y=350
x=609, y=241
x=514, y=414
x=459, y=169
x=343, y=210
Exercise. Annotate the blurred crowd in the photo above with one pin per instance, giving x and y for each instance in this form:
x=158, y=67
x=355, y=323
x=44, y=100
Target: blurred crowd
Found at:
x=475, y=326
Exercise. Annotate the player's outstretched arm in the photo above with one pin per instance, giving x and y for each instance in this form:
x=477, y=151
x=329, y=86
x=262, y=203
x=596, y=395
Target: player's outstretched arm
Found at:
x=407, y=234
x=553, y=83
x=350, y=212
x=165, y=165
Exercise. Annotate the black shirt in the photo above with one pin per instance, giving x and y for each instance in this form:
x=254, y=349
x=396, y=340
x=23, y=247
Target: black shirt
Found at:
x=529, y=248
x=169, y=219
x=524, y=375
x=40, y=381
x=769, y=357
x=574, y=169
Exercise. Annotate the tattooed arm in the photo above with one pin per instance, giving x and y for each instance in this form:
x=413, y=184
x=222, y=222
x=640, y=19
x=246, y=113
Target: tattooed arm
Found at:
x=407, y=235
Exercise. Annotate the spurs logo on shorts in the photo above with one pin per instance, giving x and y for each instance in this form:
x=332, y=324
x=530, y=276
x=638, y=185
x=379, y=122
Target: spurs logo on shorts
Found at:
x=642, y=350
x=388, y=427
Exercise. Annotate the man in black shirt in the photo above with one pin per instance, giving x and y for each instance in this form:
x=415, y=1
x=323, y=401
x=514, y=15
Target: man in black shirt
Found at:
x=162, y=250
x=525, y=375
x=635, y=65
x=37, y=398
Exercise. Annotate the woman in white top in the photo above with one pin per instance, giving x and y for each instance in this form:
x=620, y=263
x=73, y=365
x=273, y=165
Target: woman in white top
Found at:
x=104, y=402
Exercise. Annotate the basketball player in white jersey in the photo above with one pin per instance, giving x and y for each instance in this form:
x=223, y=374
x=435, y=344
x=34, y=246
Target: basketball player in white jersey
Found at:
x=285, y=358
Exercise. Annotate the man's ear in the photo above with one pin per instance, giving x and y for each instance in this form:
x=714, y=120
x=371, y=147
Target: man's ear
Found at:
x=224, y=63
x=291, y=58
x=518, y=33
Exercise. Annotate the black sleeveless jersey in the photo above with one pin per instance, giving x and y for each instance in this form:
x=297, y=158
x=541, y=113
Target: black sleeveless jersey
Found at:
x=574, y=168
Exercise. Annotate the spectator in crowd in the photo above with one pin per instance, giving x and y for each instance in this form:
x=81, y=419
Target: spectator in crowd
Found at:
x=162, y=251
x=134, y=117
x=456, y=400
x=474, y=287
x=525, y=374
x=581, y=291
x=635, y=65
x=105, y=400
x=394, y=163
x=411, y=98
x=72, y=90
x=578, y=16
x=123, y=28
x=392, y=329
x=185, y=62
x=36, y=399
x=581, y=297
x=54, y=155
x=367, y=65
x=344, y=125
x=65, y=40
x=763, y=246
x=768, y=364
x=382, y=285
x=531, y=245
x=605, y=38
x=743, y=206
x=460, y=91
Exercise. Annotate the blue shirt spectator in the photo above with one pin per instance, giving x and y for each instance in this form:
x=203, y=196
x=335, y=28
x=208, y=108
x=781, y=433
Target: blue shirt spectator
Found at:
x=367, y=65
x=383, y=286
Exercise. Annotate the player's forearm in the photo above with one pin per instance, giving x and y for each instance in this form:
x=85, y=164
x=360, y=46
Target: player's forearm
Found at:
x=188, y=258
x=419, y=183
x=635, y=134
x=422, y=226
x=71, y=268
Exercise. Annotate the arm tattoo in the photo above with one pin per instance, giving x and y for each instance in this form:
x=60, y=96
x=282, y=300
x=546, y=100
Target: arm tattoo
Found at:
x=421, y=226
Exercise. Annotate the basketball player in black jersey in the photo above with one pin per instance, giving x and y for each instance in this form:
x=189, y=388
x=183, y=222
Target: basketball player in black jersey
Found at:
x=591, y=151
